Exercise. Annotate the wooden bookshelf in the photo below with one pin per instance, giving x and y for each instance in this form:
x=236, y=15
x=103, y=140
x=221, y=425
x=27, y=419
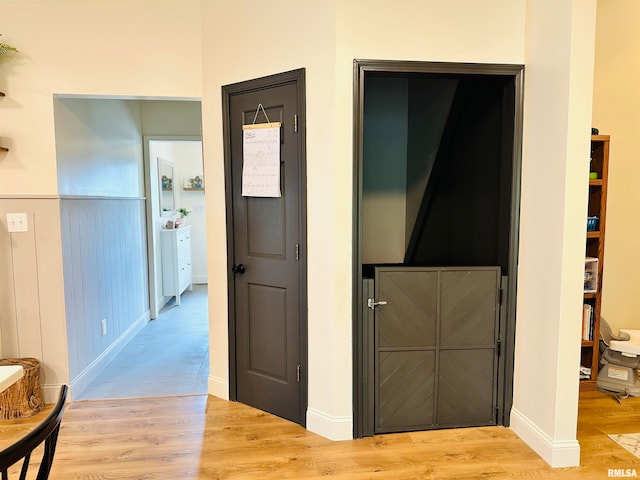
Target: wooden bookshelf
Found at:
x=590, y=352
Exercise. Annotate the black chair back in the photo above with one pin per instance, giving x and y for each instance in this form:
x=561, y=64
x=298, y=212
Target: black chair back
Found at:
x=47, y=433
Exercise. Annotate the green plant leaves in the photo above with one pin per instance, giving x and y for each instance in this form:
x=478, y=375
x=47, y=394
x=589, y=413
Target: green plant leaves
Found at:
x=6, y=49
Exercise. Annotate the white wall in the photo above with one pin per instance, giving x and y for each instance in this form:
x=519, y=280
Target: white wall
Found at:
x=105, y=279
x=99, y=147
x=99, y=154
x=163, y=120
x=188, y=161
x=186, y=156
x=557, y=117
x=171, y=117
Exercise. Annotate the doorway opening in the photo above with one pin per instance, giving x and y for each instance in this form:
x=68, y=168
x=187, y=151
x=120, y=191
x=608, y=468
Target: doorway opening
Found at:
x=436, y=212
x=176, y=191
x=109, y=217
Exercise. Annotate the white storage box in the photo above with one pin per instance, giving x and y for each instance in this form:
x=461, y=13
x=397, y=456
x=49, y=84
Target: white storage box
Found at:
x=590, y=275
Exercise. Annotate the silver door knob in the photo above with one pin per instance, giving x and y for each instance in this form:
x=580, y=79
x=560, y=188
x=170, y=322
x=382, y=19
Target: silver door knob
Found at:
x=372, y=304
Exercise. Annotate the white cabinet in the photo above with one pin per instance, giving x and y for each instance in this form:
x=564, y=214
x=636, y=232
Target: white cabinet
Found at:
x=176, y=261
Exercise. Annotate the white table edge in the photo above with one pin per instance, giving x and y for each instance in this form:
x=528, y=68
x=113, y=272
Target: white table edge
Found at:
x=9, y=374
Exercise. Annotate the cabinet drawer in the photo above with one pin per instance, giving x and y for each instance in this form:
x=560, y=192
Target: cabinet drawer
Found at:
x=184, y=254
x=183, y=235
x=184, y=276
x=176, y=261
x=184, y=249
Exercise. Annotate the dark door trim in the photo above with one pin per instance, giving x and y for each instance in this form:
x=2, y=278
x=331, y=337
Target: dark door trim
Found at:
x=296, y=77
x=361, y=405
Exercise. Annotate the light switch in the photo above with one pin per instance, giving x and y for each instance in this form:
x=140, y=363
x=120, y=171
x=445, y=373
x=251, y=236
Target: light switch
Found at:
x=17, y=222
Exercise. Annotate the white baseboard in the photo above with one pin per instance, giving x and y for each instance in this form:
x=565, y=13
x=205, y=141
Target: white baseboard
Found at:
x=333, y=428
x=90, y=373
x=562, y=453
x=50, y=393
x=218, y=387
x=200, y=279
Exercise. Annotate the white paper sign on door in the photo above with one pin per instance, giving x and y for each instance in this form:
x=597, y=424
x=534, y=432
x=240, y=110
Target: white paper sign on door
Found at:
x=261, y=160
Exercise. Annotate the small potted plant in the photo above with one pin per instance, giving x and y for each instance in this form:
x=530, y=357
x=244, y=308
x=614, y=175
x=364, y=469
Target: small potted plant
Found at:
x=6, y=50
x=184, y=212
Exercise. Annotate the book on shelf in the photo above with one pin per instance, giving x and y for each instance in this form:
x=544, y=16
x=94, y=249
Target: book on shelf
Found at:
x=585, y=373
x=587, y=321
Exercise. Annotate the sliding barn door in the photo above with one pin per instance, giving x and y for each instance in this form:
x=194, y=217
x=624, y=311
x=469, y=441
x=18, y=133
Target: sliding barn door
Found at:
x=436, y=347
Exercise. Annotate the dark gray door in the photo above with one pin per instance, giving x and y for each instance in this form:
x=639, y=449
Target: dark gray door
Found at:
x=435, y=347
x=268, y=269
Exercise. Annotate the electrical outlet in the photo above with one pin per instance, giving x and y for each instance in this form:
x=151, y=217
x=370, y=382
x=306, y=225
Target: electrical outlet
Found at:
x=17, y=222
x=103, y=326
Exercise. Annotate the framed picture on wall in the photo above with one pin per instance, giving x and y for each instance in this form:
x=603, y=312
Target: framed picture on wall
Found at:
x=195, y=182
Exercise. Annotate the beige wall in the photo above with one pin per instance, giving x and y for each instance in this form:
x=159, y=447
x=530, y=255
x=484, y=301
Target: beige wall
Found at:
x=304, y=37
x=104, y=48
x=616, y=112
x=32, y=310
x=335, y=33
x=101, y=48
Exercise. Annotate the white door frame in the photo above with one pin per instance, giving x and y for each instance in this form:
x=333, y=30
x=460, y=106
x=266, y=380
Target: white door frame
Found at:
x=153, y=208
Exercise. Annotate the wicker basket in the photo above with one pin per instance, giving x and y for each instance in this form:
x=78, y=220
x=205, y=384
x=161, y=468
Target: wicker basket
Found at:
x=23, y=398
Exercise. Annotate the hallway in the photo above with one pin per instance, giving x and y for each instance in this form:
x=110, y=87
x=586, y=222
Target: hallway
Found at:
x=170, y=355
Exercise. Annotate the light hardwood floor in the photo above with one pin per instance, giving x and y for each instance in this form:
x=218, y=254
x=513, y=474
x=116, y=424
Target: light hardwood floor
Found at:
x=201, y=437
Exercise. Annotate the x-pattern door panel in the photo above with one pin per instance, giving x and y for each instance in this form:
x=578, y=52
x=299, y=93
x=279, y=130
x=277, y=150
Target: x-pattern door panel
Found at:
x=435, y=347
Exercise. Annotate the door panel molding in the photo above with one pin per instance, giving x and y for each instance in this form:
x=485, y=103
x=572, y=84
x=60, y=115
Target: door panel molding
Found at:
x=270, y=250
x=267, y=298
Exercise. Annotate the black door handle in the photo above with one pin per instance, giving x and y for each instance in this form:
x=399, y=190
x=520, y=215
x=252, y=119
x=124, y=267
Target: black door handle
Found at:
x=239, y=269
